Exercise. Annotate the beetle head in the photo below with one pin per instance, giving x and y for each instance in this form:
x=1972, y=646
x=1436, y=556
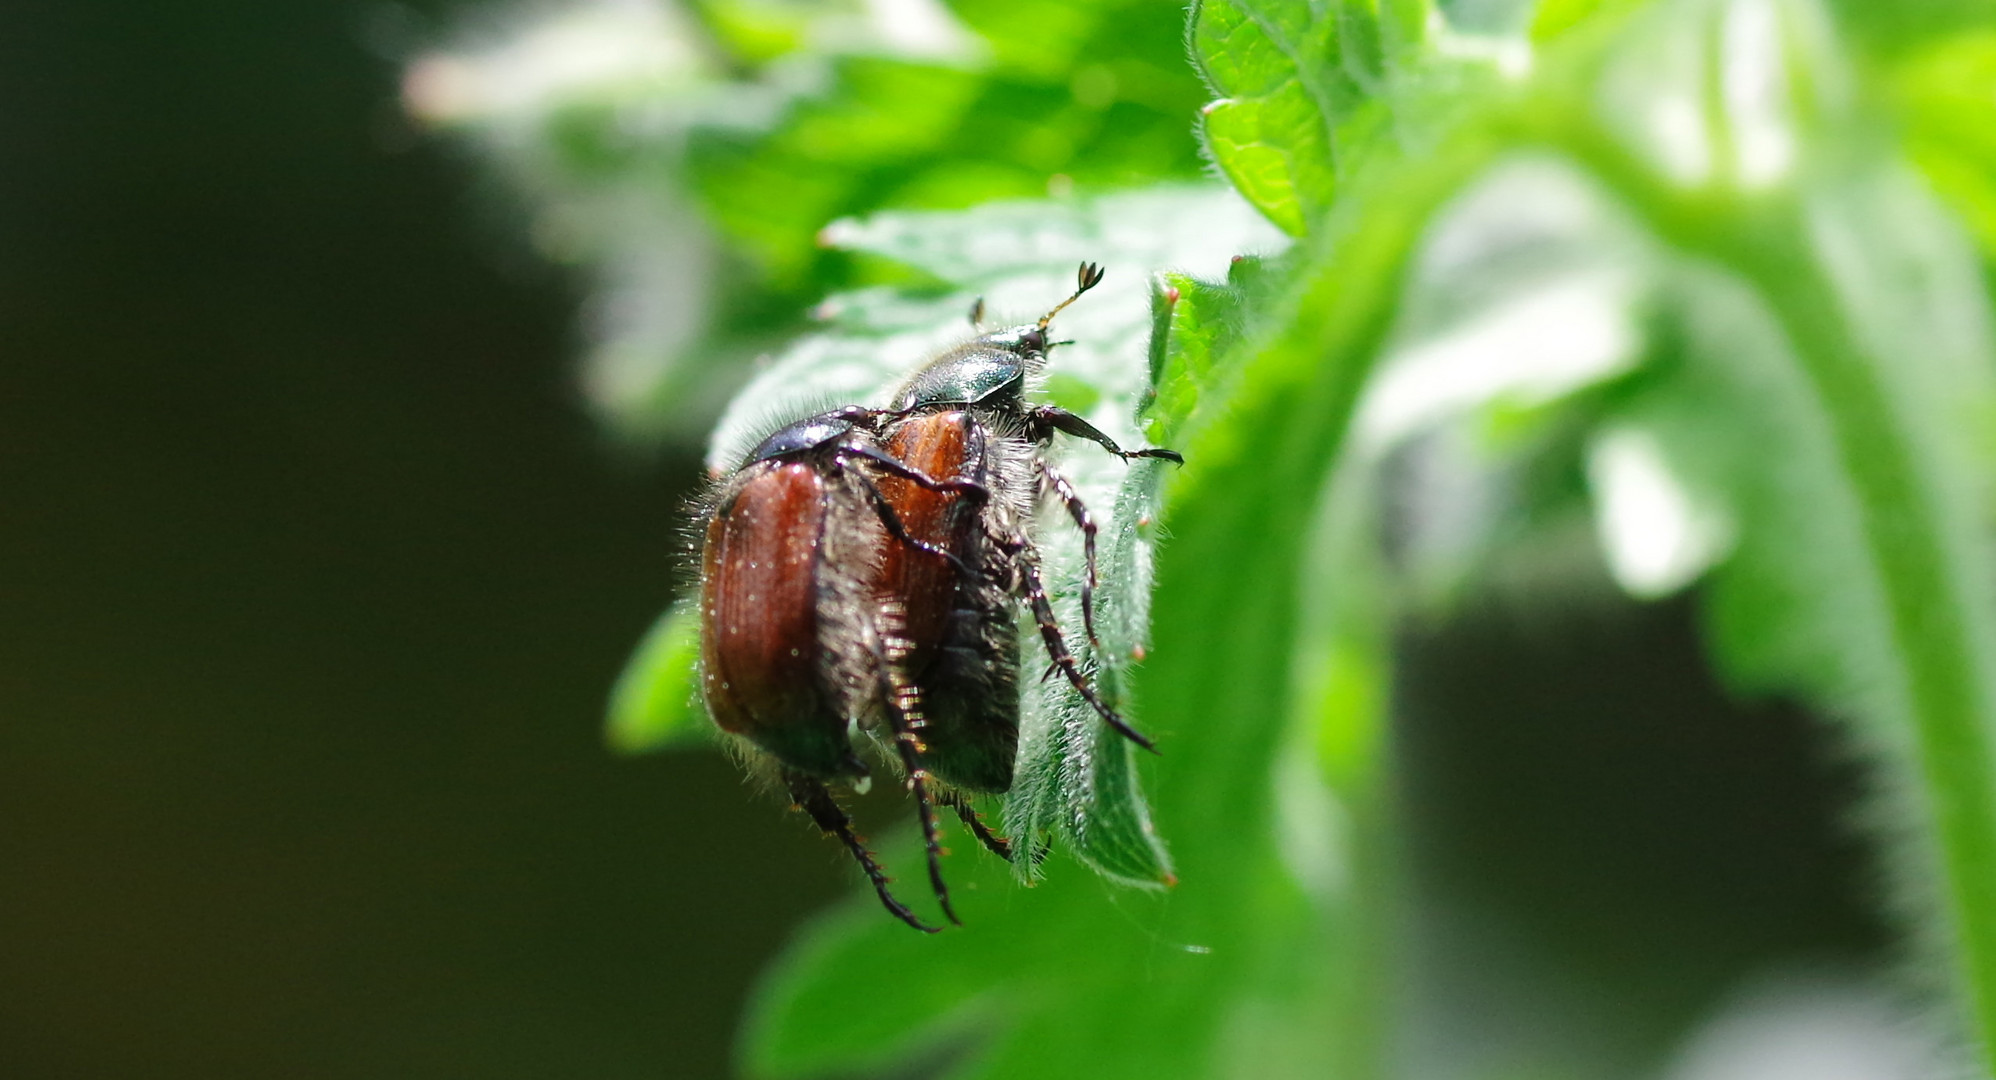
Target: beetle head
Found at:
x=991, y=368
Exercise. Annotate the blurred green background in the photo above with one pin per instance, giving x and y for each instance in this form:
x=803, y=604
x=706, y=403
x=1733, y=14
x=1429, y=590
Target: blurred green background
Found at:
x=321, y=565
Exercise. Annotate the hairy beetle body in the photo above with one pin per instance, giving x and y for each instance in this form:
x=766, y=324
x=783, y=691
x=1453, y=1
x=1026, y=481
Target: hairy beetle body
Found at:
x=862, y=571
x=786, y=647
x=819, y=620
x=958, y=621
x=980, y=386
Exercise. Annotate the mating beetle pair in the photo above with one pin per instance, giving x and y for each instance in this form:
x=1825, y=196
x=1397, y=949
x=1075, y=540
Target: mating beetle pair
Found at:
x=862, y=570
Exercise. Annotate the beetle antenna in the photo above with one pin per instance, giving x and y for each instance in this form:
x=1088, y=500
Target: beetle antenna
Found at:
x=1086, y=278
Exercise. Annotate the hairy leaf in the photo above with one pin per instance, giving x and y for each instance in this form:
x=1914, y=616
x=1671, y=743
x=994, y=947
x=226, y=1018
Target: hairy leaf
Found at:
x=1284, y=91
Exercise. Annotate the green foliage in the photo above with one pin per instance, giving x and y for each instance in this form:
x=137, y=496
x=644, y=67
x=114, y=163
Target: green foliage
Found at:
x=1949, y=94
x=1298, y=86
x=1709, y=255
x=1048, y=975
x=1076, y=779
x=654, y=704
x=689, y=157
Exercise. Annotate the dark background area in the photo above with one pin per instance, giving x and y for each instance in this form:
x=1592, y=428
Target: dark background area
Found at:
x=316, y=577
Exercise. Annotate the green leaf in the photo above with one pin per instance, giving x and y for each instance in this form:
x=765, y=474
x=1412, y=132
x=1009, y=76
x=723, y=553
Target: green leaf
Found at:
x=1076, y=777
x=1045, y=977
x=1899, y=388
x=1283, y=93
x=1018, y=257
x=1804, y=365
x=1891, y=28
x=1203, y=323
x=1277, y=723
x=1949, y=94
x=1554, y=18
x=655, y=702
x=691, y=167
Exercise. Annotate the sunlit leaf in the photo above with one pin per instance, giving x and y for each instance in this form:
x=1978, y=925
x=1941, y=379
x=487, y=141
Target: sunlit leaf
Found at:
x=654, y=703
x=1552, y=18
x=688, y=159
x=1949, y=93
x=1283, y=92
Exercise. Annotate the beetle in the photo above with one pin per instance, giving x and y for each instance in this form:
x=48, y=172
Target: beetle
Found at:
x=797, y=647
x=965, y=415
x=860, y=573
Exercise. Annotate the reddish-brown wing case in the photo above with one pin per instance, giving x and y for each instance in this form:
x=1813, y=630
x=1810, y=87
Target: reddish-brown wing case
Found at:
x=963, y=642
x=770, y=674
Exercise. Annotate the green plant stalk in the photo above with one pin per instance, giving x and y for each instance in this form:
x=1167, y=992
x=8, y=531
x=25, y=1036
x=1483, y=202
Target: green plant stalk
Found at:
x=1947, y=693
x=1946, y=688
x=1304, y=384
x=1261, y=473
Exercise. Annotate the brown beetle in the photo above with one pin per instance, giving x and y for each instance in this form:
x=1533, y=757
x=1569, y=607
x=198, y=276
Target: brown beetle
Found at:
x=954, y=616
x=966, y=416
x=801, y=644
x=861, y=571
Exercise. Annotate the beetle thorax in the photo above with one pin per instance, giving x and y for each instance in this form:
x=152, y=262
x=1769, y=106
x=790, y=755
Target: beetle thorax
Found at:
x=990, y=371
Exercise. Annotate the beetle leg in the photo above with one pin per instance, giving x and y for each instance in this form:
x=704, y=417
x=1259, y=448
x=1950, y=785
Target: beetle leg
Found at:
x=915, y=476
x=816, y=800
x=859, y=415
x=1046, y=418
x=894, y=527
x=1056, y=642
x=996, y=844
x=1078, y=510
x=904, y=716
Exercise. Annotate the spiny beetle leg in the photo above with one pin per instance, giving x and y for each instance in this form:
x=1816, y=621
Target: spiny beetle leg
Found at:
x=895, y=528
x=904, y=716
x=816, y=800
x=1056, y=644
x=965, y=488
x=994, y=843
x=1054, y=418
x=1078, y=510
